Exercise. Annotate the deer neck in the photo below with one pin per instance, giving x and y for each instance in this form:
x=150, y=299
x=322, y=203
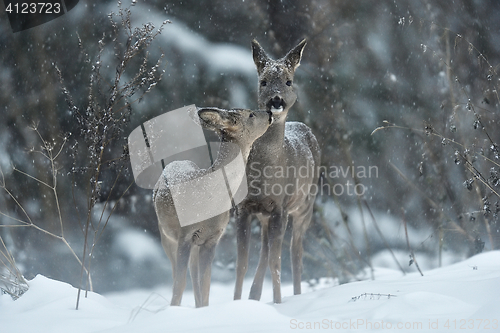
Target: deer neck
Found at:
x=268, y=149
x=228, y=151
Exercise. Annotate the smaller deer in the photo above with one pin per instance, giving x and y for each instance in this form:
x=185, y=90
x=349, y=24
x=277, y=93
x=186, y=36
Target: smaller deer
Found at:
x=195, y=243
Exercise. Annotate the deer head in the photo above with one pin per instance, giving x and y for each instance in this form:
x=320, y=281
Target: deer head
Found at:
x=240, y=126
x=276, y=91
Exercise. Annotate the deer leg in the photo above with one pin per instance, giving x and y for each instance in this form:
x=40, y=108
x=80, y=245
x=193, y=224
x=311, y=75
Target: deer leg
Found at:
x=300, y=224
x=258, y=281
x=296, y=258
x=182, y=258
x=169, y=246
x=194, y=269
x=207, y=254
x=243, y=221
x=277, y=226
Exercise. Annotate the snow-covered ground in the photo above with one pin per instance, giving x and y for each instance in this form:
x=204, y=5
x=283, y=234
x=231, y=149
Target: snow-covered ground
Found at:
x=464, y=297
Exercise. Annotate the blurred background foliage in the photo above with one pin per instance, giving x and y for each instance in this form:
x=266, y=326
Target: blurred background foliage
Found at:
x=425, y=70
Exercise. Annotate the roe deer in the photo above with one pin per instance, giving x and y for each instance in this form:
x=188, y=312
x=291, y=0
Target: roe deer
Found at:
x=195, y=243
x=276, y=187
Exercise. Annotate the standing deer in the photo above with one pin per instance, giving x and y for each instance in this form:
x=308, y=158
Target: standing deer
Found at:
x=276, y=188
x=195, y=243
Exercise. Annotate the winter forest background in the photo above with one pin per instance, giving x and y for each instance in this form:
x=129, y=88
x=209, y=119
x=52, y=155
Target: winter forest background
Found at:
x=425, y=70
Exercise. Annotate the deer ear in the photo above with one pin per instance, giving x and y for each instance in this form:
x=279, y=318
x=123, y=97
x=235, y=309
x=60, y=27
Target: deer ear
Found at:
x=260, y=57
x=212, y=118
x=292, y=59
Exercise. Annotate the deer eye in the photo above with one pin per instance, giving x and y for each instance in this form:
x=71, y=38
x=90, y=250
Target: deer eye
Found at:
x=289, y=83
x=263, y=83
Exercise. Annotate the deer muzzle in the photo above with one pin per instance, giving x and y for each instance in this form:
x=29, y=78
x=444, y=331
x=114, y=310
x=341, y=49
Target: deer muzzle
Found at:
x=276, y=104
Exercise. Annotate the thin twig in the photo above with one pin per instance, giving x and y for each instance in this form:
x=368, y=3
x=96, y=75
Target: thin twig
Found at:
x=388, y=247
x=412, y=254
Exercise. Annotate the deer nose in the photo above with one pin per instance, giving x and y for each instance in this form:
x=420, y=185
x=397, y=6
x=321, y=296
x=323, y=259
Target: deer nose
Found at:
x=277, y=102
